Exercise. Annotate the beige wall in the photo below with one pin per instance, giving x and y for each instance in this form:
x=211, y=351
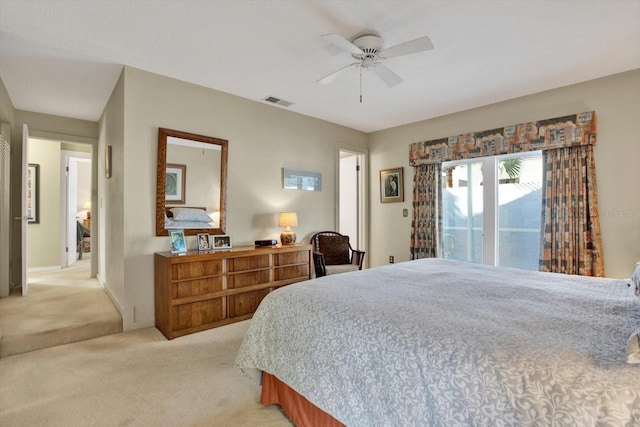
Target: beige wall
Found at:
x=6, y=106
x=6, y=217
x=43, y=238
x=262, y=140
x=615, y=101
x=110, y=207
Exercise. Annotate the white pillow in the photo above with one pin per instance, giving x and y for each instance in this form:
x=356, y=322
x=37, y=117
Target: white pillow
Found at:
x=635, y=280
x=192, y=215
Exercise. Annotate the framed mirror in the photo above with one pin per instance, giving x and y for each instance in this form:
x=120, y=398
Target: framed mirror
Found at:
x=191, y=183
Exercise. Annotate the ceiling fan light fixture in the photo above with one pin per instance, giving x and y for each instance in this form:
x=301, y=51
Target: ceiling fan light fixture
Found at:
x=368, y=51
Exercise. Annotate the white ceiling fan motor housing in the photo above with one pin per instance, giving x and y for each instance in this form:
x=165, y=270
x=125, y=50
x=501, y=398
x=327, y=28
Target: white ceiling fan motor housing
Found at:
x=371, y=46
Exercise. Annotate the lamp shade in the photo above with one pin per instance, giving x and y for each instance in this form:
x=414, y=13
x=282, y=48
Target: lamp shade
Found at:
x=288, y=219
x=87, y=205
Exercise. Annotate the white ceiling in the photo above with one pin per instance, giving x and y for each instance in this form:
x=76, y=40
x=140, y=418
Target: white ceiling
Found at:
x=64, y=57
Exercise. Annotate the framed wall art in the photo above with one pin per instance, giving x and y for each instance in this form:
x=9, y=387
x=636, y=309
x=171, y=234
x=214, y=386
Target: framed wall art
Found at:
x=107, y=161
x=33, y=196
x=175, y=185
x=294, y=179
x=392, y=185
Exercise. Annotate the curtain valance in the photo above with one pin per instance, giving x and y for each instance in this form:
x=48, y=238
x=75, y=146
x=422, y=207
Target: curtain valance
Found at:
x=559, y=132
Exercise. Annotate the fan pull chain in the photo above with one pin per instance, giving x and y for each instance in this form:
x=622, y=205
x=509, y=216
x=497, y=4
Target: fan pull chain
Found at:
x=360, y=85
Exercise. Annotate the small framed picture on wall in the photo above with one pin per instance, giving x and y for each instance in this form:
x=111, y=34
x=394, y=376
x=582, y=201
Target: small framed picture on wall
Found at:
x=392, y=185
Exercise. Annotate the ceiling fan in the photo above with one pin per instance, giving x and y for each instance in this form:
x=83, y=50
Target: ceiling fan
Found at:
x=368, y=52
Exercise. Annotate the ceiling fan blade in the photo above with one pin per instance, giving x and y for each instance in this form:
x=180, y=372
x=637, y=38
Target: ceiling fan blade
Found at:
x=413, y=46
x=342, y=43
x=386, y=75
x=331, y=77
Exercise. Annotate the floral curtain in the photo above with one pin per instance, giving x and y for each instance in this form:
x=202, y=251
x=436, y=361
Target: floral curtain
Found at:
x=570, y=239
x=427, y=211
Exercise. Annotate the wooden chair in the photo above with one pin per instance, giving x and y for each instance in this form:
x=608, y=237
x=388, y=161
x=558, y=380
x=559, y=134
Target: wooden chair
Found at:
x=83, y=235
x=332, y=254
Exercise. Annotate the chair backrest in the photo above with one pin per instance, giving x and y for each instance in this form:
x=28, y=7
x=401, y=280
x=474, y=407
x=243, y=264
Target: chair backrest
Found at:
x=334, y=246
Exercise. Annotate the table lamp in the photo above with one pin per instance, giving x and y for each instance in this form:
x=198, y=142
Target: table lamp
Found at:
x=288, y=219
x=87, y=207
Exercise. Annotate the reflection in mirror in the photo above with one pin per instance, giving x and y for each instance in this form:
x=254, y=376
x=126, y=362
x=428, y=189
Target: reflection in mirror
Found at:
x=191, y=183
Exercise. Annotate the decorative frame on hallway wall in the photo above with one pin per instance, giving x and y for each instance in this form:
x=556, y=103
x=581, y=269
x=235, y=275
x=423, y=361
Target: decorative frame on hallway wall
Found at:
x=33, y=196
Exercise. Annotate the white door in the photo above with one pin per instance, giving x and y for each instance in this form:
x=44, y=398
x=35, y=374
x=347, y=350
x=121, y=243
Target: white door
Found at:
x=349, y=197
x=72, y=207
x=5, y=211
x=23, y=219
x=352, y=196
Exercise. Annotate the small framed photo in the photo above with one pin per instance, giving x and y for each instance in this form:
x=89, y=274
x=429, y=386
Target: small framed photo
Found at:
x=221, y=242
x=392, y=185
x=203, y=242
x=178, y=244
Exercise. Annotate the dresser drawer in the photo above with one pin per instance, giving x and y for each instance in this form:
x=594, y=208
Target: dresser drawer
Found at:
x=289, y=258
x=190, y=288
x=248, y=263
x=195, y=314
x=246, y=303
x=292, y=272
x=190, y=270
x=250, y=278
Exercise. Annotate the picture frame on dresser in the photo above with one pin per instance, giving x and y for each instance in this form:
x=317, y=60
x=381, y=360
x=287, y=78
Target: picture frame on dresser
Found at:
x=221, y=242
x=204, y=244
x=177, y=243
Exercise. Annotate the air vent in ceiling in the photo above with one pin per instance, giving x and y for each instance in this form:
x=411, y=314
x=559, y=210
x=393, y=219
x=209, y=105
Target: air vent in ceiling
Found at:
x=277, y=101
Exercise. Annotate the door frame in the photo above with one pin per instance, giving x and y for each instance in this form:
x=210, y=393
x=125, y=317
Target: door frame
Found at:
x=362, y=194
x=68, y=156
x=23, y=210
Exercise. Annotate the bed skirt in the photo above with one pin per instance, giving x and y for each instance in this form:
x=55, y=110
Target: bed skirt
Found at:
x=299, y=410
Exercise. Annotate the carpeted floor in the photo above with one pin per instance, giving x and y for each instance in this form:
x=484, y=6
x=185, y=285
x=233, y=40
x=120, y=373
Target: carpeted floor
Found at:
x=61, y=307
x=135, y=378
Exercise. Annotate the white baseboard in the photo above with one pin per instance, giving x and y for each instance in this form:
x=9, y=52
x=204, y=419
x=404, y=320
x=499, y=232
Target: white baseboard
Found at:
x=43, y=269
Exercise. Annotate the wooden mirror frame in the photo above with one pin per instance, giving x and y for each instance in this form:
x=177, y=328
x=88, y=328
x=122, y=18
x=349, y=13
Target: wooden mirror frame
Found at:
x=163, y=134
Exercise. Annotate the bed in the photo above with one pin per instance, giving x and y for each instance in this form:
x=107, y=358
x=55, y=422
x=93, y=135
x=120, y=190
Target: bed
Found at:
x=445, y=343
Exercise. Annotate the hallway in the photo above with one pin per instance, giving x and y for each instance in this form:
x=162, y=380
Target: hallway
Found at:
x=61, y=307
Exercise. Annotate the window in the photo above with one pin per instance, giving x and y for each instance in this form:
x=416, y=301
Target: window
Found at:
x=491, y=210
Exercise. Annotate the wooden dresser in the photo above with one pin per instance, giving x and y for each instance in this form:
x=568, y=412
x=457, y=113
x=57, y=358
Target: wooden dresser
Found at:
x=203, y=290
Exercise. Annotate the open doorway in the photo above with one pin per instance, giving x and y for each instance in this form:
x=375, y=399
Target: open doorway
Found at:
x=352, y=196
x=64, y=202
x=76, y=208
